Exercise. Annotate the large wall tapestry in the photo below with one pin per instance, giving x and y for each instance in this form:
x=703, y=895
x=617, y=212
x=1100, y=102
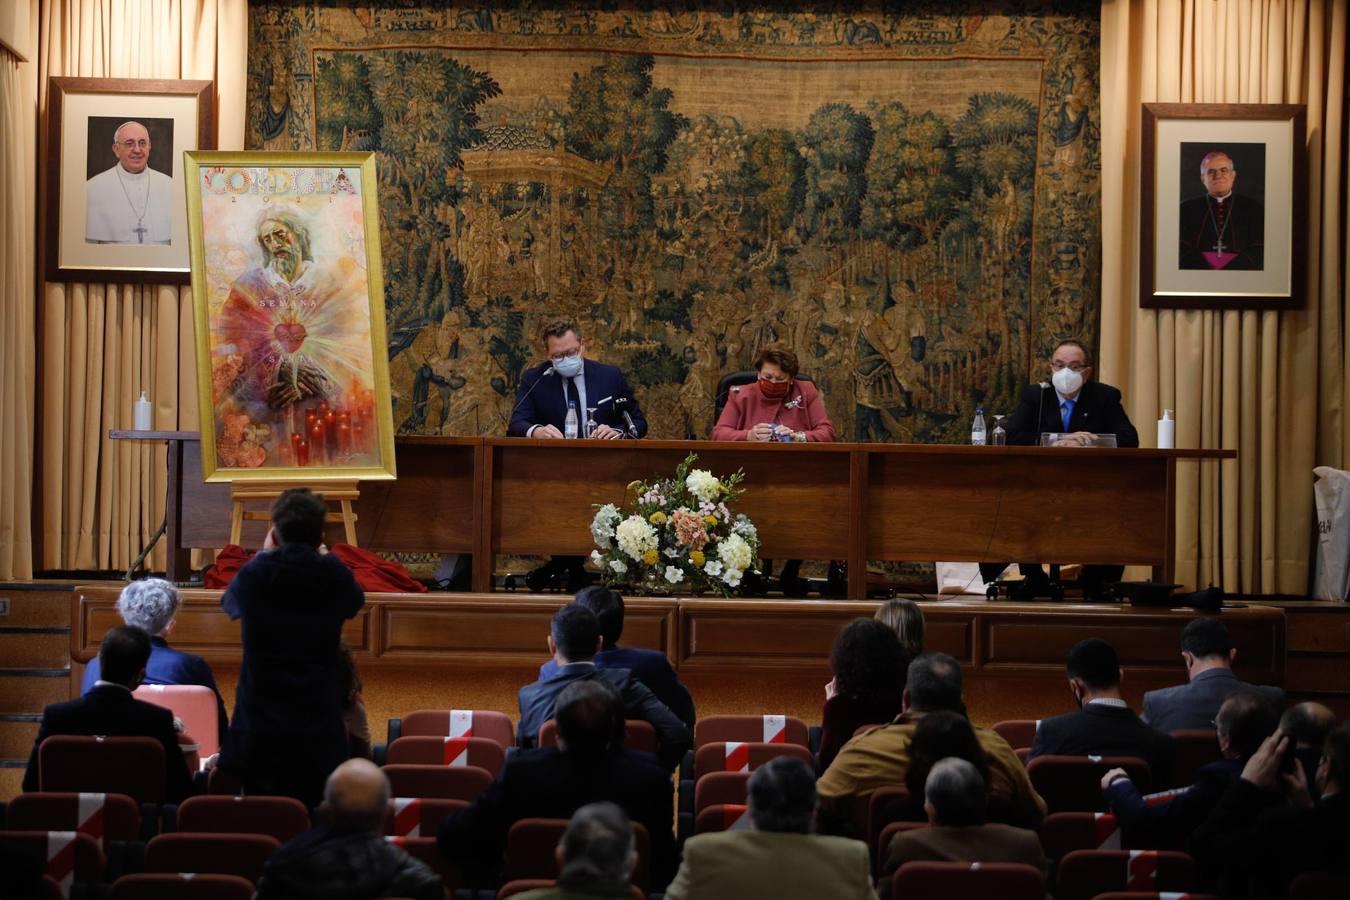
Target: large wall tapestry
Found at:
x=908, y=198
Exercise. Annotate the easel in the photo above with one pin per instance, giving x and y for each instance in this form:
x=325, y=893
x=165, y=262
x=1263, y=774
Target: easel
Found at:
x=245, y=492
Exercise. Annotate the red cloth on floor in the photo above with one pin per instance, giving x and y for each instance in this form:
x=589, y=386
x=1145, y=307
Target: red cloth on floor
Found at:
x=372, y=572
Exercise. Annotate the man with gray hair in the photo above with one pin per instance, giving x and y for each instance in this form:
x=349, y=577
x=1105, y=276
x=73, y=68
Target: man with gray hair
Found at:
x=779, y=857
x=955, y=800
x=151, y=604
x=596, y=856
x=131, y=202
x=346, y=857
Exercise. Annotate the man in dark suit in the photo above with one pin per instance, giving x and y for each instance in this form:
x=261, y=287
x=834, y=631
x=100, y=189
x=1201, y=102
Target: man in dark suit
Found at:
x=1103, y=725
x=1208, y=654
x=651, y=667
x=1079, y=408
x=1221, y=229
x=589, y=765
x=573, y=640
x=151, y=604
x=110, y=710
x=288, y=732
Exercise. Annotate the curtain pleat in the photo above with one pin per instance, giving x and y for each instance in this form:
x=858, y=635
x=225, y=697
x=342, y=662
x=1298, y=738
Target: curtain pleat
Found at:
x=105, y=343
x=1271, y=385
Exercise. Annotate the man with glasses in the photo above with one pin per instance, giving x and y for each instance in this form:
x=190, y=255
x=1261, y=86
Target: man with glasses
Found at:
x=1220, y=229
x=129, y=203
x=1074, y=405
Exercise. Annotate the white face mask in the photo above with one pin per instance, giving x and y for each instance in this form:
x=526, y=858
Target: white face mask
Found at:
x=1067, y=381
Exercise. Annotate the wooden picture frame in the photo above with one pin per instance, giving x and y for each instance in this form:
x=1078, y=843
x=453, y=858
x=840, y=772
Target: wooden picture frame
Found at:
x=89, y=234
x=1245, y=251
x=288, y=308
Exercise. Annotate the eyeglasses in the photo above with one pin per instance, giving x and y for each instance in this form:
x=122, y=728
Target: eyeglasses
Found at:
x=570, y=354
x=1073, y=367
x=1210, y=173
x=129, y=144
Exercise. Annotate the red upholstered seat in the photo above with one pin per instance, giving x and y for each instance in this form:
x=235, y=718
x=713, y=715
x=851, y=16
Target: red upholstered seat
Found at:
x=438, y=782
x=1083, y=874
x=720, y=817
x=1194, y=749
x=425, y=849
x=104, y=817
x=1172, y=895
x=883, y=843
x=1063, y=833
x=884, y=806
x=418, y=816
x=173, y=886
x=195, y=705
x=1017, y=732
x=214, y=854
x=479, y=723
x=66, y=857
x=115, y=765
x=1073, y=783
x=1320, y=886
x=763, y=729
x=968, y=881
x=530, y=844
x=448, y=751
x=521, y=885
x=637, y=735
x=720, y=788
x=281, y=817
x=733, y=756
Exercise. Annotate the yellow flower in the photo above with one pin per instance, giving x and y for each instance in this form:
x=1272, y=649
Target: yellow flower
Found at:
x=696, y=557
x=635, y=486
x=650, y=557
x=657, y=518
x=711, y=520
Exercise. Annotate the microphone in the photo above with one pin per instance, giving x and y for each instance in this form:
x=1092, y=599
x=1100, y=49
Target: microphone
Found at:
x=621, y=405
x=538, y=381
x=1040, y=401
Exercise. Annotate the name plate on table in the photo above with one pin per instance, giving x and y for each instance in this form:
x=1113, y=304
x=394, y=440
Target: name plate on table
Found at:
x=1052, y=438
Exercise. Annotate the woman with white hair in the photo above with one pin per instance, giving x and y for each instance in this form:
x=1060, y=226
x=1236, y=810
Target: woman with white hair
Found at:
x=151, y=604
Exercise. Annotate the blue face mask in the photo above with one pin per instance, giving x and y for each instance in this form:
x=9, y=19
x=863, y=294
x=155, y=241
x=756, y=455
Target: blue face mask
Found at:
x=568, y=366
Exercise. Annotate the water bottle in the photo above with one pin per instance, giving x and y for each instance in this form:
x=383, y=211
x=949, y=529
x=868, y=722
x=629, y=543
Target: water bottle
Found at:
x=571, y=423
x=977, y=428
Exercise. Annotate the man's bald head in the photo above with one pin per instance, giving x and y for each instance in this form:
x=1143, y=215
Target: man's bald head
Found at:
x=1308, y=723
x=357, y=796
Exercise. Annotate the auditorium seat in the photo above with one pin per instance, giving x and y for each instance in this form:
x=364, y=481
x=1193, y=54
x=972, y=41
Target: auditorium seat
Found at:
x=115, y=765
x=1017, y=732
x=721, y=817
x=280, y=817
x=425, y=849
x=1195, y=748
x=1083, y=874
x=1073, y=783
x=531, y=842
x=447, y=751
x=68, y=858
x=883, y=842
x=480, y=723
x=185, y=886
x=520, y=886
x=194, y=705
x=418, y=816
x=210, y=854
x=968, y=881
x=637, y=735
x=1320, y=886
x=1173, y=895
x=766, y=729
x=884, y=806
x=223, y=783
x=437, y=782
x=104, y=817
x=1063, y=833
x=720, y=788
x=731, y=756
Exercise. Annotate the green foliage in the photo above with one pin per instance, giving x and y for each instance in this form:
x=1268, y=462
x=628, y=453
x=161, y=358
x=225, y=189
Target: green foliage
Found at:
x=657, y=365
x=342, y=91
x=670, y=308
x=996, y=137
x=838, y=141
x=772, y=182
x=913, y=189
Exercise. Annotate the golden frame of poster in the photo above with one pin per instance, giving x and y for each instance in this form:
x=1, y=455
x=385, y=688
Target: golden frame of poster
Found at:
x=288, y=305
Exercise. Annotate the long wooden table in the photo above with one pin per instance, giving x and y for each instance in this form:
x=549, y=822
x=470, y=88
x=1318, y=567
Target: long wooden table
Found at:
x=486, y=497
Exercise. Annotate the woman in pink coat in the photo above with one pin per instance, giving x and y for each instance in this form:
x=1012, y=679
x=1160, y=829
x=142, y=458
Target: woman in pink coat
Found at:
x=777, y=407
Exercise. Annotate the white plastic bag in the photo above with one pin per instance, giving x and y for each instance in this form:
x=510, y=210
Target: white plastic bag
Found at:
x=1331, y=493
x=959, y=578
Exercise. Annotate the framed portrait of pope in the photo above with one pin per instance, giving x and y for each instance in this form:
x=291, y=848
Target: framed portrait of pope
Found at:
x=288, y=309
x=115, y=207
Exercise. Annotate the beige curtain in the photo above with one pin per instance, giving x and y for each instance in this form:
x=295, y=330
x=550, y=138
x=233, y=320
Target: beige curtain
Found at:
x=18, y=116
x=1270, y=385
x=104, y=343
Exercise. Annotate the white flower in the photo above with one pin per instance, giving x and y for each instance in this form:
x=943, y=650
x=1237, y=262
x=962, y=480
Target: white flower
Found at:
x=618, y=565
x=674, y=574
x=602, y=526
x=735, y=553
x=745, y=528
x=672, y=552
x=713, y=568
x=732, y=577
x=597, y=557
x=635, y=537
x=703, y=485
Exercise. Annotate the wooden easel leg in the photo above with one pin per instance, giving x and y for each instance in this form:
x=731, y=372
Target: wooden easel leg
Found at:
x=349, y=522
x=236, y=521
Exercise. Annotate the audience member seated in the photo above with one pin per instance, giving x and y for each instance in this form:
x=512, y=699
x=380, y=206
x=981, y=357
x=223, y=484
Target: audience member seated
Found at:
x=574, y=641
x=651, y=667
x=589, y=765
x=109, y=709
x=882, y=756
x=1103, y=725
x=287, y=733
x=942, y=735
x=596, y=857
x=1244, y=721
x=151, y=604
x=1268, y=829
x=347, y=857
x=778, y=857
x=905, y=618
x=1308, y=725
x=869, y=669
x=955, y=799
x=1208, y=654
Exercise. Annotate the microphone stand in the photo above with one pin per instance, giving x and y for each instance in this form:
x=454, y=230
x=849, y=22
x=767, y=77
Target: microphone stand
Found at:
x=1040, y=402
x=621, y=405
x=538, y=381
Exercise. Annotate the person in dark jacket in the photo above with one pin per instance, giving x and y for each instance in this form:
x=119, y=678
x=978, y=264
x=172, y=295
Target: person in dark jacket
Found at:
x=1208, y=653
x=288, y=733
x=110, y=709
x=347, y=857
x=869, y=681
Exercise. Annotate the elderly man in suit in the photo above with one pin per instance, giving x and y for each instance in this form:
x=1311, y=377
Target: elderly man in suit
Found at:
x=574, y=639
x=1208, y=654
x=779, y=857
x=1104, y=725
x=110, y=709
x=597, y=855
x=648, y=666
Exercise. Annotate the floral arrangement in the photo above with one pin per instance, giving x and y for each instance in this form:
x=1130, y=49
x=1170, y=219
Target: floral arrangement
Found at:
x=678, y=530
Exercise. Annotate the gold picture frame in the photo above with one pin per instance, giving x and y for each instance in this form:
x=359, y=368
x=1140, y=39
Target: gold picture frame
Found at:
x=288, y=304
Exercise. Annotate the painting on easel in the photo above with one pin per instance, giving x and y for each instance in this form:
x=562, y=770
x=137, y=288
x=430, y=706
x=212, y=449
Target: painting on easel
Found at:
x=292, y=374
